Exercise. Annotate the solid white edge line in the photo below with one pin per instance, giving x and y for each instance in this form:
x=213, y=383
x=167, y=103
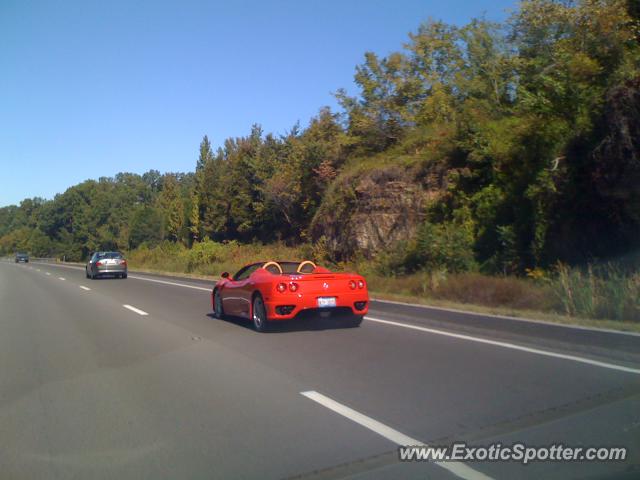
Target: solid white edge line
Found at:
x=134, y=309
x=47, y=273
x=84, y=288
x=61, y=278
x=507, y=317
x=512, y=346
x=457, y=468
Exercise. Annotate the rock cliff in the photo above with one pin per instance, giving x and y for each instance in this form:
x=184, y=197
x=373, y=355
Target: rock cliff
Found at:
x=369, y=211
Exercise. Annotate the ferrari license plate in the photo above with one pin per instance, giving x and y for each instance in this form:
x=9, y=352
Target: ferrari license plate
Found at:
x=325, y=302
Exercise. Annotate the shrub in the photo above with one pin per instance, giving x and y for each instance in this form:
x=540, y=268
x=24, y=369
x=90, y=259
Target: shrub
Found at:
x=444, y=246
x=206, y=253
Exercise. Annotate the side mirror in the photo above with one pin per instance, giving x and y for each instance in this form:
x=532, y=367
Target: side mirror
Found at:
x=225, y=275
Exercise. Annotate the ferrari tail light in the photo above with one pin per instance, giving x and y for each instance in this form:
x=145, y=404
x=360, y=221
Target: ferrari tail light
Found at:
x=360, y=284
x=282, y=287
x=352, y=284
x=293, y=286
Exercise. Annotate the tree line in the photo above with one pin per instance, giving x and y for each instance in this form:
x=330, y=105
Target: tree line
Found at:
x=532, y=122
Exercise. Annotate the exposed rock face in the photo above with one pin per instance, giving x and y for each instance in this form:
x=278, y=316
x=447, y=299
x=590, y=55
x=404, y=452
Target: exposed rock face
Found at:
x=369, y=212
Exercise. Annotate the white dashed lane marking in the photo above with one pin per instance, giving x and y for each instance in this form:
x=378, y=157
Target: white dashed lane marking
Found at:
x=136, y=310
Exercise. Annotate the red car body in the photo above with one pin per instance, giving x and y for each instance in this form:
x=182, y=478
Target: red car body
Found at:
x=282, y=290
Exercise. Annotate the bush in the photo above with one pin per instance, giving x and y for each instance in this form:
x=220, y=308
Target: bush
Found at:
x=206, y=253
x=444, y=246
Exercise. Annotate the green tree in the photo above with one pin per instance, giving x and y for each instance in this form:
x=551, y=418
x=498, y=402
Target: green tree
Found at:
x=146, y=227
x=171, y=205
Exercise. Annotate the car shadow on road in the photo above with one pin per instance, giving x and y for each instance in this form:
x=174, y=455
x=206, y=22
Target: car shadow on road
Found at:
x=302, y=323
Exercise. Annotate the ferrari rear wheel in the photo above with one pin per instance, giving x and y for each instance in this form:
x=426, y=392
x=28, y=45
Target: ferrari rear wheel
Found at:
x=218, y=311
x=259, y=315
x=356, y=320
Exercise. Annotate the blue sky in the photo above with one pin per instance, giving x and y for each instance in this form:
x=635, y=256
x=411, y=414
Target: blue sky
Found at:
x=91, y=88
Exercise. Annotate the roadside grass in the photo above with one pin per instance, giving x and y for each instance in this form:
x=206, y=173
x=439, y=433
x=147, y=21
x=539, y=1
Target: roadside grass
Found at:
x=597, y=297
x=470, y=288
x=599, y=292
x=507, y=296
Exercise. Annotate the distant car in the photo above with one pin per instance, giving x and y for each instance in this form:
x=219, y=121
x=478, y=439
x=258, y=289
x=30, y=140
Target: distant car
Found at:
x=106, y=263
x=266, y=292
x=22, y=258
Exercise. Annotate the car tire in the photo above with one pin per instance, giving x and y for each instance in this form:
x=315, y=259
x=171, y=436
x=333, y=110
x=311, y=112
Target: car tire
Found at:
x=123, y=276
x=86, y=272
x=259, y=315
x=355, y=321
x=218, y=309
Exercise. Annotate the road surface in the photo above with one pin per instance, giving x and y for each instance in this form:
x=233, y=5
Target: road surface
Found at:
x=135, y=379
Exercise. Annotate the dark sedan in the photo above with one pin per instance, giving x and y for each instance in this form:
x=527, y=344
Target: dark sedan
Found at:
x=106, y=264
x=22, y=258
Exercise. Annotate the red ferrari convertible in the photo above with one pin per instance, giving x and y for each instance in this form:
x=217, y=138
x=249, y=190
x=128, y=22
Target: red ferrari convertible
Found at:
x=269, y=291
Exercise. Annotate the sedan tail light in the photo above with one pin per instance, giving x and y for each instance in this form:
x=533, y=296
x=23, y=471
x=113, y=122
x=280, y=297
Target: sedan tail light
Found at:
x=99, y=264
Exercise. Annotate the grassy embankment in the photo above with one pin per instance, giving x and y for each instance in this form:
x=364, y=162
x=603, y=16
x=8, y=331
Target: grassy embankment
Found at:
x=606, y=299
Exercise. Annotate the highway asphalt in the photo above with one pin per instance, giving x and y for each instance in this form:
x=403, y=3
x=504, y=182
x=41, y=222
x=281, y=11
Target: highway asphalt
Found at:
x=135, y=379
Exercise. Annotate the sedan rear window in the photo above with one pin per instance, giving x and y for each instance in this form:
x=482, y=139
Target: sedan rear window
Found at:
x=109, y=255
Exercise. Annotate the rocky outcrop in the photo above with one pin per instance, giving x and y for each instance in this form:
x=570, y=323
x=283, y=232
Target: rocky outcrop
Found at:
x=367, y=212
